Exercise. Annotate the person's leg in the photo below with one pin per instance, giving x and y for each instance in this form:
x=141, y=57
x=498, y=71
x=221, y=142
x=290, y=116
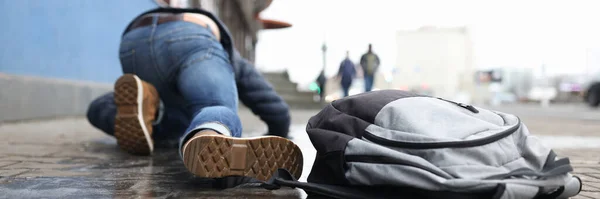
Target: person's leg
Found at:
x=192, y=72
x=368, y=83
x=211, y=147
x=137, y=106
x=123, y=114
x=135, y=97
x=345, y=89
x=127, y=114
x=170, y=123
x=321, y=91
x=371, y=82
x=208, y=87
x=189, y=68
x=101, y=113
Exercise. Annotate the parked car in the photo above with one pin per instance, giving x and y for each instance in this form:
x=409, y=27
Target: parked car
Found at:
x=591, y=91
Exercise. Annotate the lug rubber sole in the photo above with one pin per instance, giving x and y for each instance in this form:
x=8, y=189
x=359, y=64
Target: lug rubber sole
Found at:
x=217, y=156
x=131, y=132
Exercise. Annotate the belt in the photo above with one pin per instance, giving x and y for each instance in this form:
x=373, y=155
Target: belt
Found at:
x=147, y=20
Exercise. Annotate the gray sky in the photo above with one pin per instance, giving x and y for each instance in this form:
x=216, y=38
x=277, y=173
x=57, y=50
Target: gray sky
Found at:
x=504, y=33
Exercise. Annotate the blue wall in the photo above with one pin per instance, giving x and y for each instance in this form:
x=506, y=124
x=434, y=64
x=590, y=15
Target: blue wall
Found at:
x=69, y=39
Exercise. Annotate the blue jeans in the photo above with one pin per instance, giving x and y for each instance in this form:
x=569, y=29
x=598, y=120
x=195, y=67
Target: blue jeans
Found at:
x=192, y=74
x=369, y=82
x=346, y=88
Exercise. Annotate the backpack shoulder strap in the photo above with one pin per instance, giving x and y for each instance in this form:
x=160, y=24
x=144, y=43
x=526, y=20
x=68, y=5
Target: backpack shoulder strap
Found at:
x=283, y=178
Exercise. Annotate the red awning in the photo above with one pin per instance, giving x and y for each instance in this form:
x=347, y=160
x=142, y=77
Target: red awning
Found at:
x=274, y=24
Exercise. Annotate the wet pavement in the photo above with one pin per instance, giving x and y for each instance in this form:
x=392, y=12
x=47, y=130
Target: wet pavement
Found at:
x=67, y=158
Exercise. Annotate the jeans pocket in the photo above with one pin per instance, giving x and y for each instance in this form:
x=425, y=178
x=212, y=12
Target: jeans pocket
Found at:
x=127, y=59
x=181, y=49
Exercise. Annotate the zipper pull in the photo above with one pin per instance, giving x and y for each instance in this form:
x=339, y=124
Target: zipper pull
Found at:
x=468, y=107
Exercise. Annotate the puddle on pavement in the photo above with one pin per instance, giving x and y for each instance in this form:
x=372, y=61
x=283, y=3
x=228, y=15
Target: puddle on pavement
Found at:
x=309, y=153
x=300, y=138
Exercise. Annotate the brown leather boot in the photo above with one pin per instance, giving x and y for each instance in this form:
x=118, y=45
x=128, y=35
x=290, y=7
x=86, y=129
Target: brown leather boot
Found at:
x=137, y=104
x=211, y=155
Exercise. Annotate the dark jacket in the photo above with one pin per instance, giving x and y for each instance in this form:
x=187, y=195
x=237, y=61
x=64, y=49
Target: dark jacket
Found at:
x=257, y=94
x=347, y=72
x=364, y=63
x=253, y=90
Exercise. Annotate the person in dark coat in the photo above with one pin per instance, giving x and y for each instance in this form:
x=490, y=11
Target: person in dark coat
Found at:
x=321, y=81
x=346, y=74
x=370, y=64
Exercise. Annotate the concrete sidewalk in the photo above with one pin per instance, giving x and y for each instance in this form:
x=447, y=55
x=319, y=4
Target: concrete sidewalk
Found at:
x=68, y=158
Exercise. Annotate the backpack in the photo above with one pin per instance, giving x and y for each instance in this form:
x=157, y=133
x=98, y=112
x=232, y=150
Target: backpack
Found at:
x=395, y=144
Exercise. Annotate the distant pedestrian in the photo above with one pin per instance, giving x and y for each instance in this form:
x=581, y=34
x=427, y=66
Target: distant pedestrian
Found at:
x=321, y=80
x=369, y=63
x=346, y=73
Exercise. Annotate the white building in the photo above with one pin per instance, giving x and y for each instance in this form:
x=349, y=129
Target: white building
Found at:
x=438, y=61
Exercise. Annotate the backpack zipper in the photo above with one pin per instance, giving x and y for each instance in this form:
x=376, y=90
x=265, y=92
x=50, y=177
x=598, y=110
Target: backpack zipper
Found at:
x=448, y=144
x=466, y=106
x=377, y=159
